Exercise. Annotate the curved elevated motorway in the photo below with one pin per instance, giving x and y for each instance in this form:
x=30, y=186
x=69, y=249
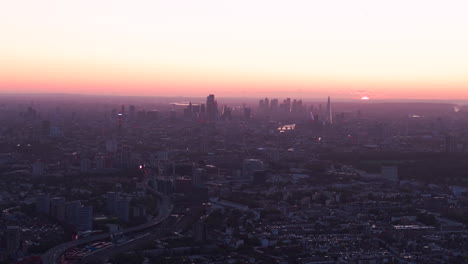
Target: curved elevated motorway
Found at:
x=53, y=255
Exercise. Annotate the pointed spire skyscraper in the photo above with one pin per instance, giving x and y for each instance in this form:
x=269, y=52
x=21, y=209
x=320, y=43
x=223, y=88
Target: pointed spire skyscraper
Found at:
x=328, y=114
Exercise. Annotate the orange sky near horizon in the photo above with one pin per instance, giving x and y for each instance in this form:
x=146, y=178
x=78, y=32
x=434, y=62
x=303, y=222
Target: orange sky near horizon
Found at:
x=346, y=49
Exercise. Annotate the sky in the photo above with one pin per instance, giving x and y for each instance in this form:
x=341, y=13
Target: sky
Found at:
x=398, y=49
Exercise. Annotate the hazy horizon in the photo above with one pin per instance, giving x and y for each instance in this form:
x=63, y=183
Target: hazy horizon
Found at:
x=202, y=98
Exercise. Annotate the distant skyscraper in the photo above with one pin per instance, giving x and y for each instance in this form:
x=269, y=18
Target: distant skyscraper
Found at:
x=125, y=155
x=328, y=114
x=274, y=104
x=287, y=105
x=266, y=103
x=152, y=115
x=132, y=112
x=172, y=115
x=111, y=145
x=227, y=113
x=188, y=111
x=45, y=128
x=119, y=120
x=122, y=110
x=211, y=107
x=247, y=113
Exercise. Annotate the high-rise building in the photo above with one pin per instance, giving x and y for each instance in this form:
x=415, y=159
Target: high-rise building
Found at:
x=274, y=105
x=182, y=185
x=125, y=154
x=42, y=203
x=249, y=166
x=165, y=185
x=45, y=128
x=287, y=105
x=117, y=206
x=266, y=104
x=13, y=240
x=79, y=216
x=152, y=115
x=111, y=198
x=199, y=231
x=227, y=113
x=119, y=120
x=198, y=177
x=57, y=208
x=122, y=209
x=247, y=113
x=141, y=115
x=122, y=110
x=211, y=107
x=328, y=114
x=111, y=145
x=100, y=161
x=85, y=165
x=188, y=111
x=38, y=168
x=172, y=115
x=132, y=111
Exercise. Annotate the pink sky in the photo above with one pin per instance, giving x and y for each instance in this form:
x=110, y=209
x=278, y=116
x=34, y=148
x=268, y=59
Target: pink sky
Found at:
x=347, y=49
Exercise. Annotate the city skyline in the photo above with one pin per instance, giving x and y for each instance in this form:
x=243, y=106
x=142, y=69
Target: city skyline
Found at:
x=397, y=50
x=127, y=180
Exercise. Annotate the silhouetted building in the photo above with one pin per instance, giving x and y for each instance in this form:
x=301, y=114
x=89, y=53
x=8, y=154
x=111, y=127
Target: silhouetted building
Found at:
x=328, y=114
x=198, y=177
x=85, y=165
x=118, y=206
x=43, y=203
x=274, y=105
x=211, y=108
x=57, y=208
x=227, y=113
x=247, y=113
x=183, y=185
x=199, y=232
x=79, y=216
x=38, y=168
x=45, y=128
x=13, y=240
x=249, y=166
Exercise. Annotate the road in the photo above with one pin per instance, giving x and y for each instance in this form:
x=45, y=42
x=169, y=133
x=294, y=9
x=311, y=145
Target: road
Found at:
x=165, y=209
x=176, y=223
